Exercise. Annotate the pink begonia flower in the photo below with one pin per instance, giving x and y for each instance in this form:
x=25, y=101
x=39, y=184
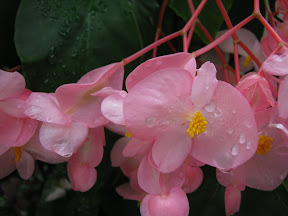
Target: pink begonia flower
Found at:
x=22, y=158
x=276, y=64
x=269, y=44
x=163, y=105
x=74, y=108
x=15, y=128
x=251, y=41
x=257, y=91
x=165, y=196
x=81, y=171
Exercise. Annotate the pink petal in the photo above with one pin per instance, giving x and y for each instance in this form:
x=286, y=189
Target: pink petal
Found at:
x=116, y=153
x=82, y=177
x=191, y=161
x=131, y=164
x=11, y=84
x=178, y=60
x=231, y=136
x=172, y=179
x=157, y=102
x=119, y=129
x=127, y=192
x=276, y=64
x=112, y=108
x=44, y=107
x=28, y=129
x=63, y=139
x=136, y=146
x=148, y=177
x=10, y=129
x=193, y=179
x=13, y=107
x=282, y=99
x=171, y=148
x=204, y=85
x=235, y=177
x=25, y=165
x=232, y=200
x=173, y=204
x=7, y=163
x=91, y=151
x=144, y=208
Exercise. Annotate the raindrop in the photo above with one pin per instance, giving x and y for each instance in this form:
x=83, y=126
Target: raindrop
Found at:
x=19, y=106
x=248, y=146
x=230, y=130
x=217, y=112
x=49, y=119
x=67, y=155
x=150, y=122
x=234, y=110
x=248, y=124
x=32, y=116
x=235, y=150
x=225, y=170
x=210, y=107
x=163, y=125
x=241, y=138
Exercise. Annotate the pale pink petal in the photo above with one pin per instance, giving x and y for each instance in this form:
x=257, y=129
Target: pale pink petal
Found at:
x=282, y=99
x=127, y=192
x=63, y=139
x=11, y=84
x=276, y=64
x=91, y=151
x=232, y=200
x=131, y=164
x=231, y=136
x=148, y=177
x=171, y=148
x=173, y=204
x=119, y=129
x=178, y=60
x=44, y=107
x=7, y=163
x=134, y=182
x=136, y=146
x=116, y=153
x=265, y=117
x=193, y=179
x=28, y=129
x=82, y=177
x=268, y=171
x=112, y=108
x=157, y=102
x=235, y=177
x=144, y=208
x=172, y=179
x=245, y=68
x=10, y=129
x=204, y=85
x=13, y=107
x=25, y=165
x=191, y=161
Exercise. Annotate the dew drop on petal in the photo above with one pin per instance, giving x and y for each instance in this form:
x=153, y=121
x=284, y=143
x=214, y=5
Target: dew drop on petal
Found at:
x=163, y=125
x=248, y=124
x=210, y=107
x=241, y=138
x=225, y=170
x=233, y=110
x=235, y=150
x=248, y=146
x=150, y=122
x=49, y=119
x=32, y=116
x=230, y=130
x=217, y=112
x=19, y=106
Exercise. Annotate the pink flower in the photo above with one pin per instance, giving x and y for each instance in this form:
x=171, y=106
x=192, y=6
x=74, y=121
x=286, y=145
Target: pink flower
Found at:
x=167, y=103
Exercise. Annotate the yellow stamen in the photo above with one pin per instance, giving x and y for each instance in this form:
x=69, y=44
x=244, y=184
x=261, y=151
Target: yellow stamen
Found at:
x=197, y=125
x=264, y=145
x=247, y=61
x=127, y=134
x=18, y=153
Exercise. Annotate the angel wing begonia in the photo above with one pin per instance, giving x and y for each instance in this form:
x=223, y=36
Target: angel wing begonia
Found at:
x=169, y=103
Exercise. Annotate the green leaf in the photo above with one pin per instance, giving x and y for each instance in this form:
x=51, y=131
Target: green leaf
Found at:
x=59, y=41
x=210, y=16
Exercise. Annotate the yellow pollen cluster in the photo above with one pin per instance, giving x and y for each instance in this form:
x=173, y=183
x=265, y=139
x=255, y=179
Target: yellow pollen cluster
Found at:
x=127, y=134
x=264, y=144
x=247, y=61
x=18, y=153
x=197, y=125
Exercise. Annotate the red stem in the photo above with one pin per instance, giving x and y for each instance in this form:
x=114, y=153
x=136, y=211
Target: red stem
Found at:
x=16, y=68
x=256, y=7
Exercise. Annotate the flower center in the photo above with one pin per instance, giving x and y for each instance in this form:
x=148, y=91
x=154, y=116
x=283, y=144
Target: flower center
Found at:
x=197, y=125
x=264, y=145
x=128, y=134
x=18, y=153
x=247, y=61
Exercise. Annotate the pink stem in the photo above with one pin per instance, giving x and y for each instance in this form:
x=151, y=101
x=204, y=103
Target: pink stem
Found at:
x=275, y=51
x=190, y=35
x=159, y=27
x=223, y=37
x=185, y=43
x=256, y=7
x=236, y=62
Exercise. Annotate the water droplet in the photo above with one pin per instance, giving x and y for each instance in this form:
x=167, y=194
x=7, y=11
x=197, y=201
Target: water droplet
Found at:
x=248, y=124
x=248, y=146
x=235, y=150
x=39, y=96
x=32, y=116
x=225, y=170
x=49, y=119
x=67, y=155
x=241, y=138
x=150, y=122
x=217, y=112
x=230, y=130
x=282, y=150
x=163, y=125
x=114, y=105
x=61, y=146
x=221, y=121
x=233, y=110
x=210, y=107
x=19, y=106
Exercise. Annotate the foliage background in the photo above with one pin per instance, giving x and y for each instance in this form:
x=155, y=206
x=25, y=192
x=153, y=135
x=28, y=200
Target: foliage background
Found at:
x=58, y=41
